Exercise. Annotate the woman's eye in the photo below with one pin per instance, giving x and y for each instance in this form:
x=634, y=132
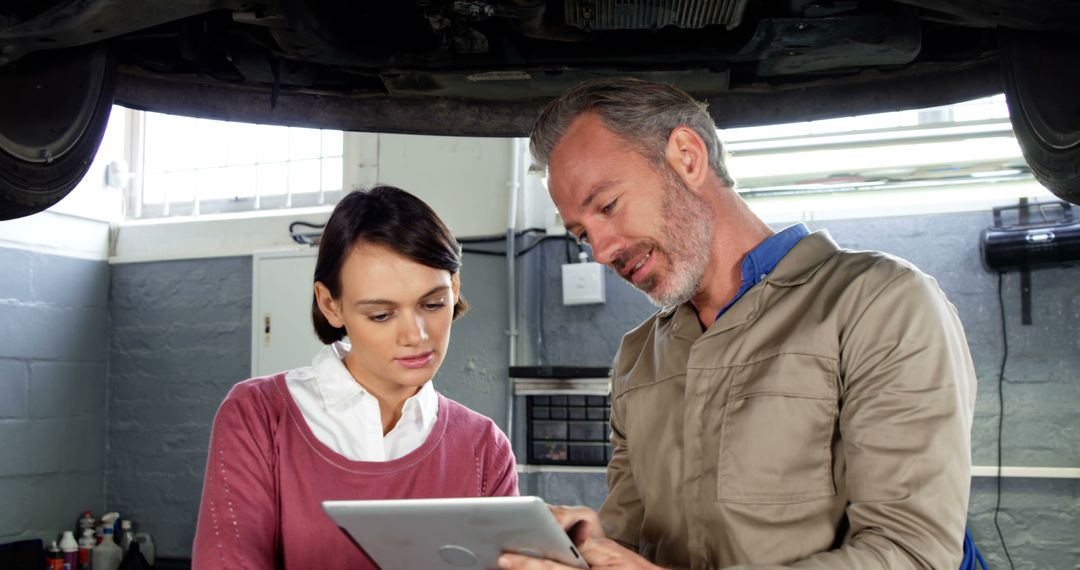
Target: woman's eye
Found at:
x=380, y=317
x=434, y=306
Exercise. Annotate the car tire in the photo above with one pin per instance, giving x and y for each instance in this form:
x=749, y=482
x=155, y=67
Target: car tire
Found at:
x=54, y=108
x=1042, y=80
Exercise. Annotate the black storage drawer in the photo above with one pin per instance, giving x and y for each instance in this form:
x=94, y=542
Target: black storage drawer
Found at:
x=569, y=430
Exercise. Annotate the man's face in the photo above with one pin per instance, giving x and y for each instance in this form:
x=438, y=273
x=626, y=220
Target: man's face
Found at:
x=641, y=220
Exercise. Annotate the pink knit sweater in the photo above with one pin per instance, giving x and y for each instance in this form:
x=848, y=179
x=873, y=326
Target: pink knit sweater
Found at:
x=267, y=475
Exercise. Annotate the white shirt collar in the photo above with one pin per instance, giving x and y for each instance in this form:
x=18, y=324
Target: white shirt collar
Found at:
x=338, y=389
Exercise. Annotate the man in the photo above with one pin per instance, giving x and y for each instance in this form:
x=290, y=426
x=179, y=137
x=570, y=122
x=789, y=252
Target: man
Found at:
x=793, y=403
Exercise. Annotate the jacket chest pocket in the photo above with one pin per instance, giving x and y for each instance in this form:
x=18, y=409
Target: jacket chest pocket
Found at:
x=777, y=431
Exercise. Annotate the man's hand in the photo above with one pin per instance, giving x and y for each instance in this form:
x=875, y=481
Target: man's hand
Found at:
x=583, y=526
x=600, y=553
x=581, y=523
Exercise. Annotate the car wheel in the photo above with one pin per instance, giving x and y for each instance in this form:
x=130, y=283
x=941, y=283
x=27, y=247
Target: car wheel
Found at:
x=53, y=111
x=1042, y=80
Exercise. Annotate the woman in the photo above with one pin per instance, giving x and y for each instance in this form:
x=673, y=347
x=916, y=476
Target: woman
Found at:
x=363, y=421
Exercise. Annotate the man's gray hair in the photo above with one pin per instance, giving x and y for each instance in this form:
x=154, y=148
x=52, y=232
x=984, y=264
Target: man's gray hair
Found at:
x=640, y=112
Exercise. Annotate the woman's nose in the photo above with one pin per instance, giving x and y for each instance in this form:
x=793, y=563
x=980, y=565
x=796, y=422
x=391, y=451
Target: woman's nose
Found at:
x=413, y=331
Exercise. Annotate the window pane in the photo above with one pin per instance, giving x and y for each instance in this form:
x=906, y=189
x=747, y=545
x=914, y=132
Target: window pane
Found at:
x=273, y=179
x=273, y=143
x=332, y=172
x=243, y=143
x=213, y=145
x=180, y=186
x=180, y=144
x=211, y=184
x=153, y=188
x=304, y=176
x=332, y=143
x=226, y=183
x=304, y=143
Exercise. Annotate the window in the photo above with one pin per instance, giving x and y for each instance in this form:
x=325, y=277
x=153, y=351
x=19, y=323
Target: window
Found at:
x=194, y=166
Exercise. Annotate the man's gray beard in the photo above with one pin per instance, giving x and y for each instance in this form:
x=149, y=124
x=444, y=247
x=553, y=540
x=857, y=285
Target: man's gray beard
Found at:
x=686, y=241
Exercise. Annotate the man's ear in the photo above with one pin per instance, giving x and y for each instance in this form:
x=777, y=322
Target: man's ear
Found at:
x=328, y=305
x=688, y=156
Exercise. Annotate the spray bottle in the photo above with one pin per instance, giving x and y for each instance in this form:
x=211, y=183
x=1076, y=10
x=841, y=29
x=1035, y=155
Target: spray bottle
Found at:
x=70, y=548
x=54, y=559
x=87, y=542
x=107, y=555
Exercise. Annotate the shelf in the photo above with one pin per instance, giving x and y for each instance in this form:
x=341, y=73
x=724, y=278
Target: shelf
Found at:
x=545, y=386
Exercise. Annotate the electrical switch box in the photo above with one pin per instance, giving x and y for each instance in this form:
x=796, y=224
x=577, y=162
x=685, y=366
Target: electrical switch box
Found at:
x=582, y=283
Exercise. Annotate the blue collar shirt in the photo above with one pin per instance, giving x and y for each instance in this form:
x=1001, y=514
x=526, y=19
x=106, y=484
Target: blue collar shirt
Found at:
x=763, y=259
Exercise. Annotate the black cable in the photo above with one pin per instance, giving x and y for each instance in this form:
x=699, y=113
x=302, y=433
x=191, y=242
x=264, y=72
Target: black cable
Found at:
x=484, y=252
x=292, y=226
x=533, y=245
x=1001, y=414
x=501, y=237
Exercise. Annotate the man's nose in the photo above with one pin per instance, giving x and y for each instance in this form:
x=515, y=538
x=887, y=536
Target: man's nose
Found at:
x=605, y=245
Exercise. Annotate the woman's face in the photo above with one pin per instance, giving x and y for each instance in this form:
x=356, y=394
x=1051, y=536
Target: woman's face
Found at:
x=397, y=314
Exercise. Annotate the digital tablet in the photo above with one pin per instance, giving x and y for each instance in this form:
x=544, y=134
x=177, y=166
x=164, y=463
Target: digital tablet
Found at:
x=407, y=534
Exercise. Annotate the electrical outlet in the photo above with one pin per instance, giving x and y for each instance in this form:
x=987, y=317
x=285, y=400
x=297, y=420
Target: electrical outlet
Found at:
x=582, y=283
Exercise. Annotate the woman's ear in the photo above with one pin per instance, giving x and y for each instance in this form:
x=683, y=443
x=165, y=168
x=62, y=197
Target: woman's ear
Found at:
x=455, y=286
x=328, y=305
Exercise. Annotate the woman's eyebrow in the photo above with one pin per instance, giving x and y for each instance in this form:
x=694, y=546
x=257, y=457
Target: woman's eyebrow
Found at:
x=436, y=289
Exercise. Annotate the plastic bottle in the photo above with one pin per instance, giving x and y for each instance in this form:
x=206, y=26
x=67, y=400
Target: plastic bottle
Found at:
x=86, y=521
x=107, y=555
x=54, y=559
x=127, y=536
x=87, y=542
x=70, y=548
x=146, y=544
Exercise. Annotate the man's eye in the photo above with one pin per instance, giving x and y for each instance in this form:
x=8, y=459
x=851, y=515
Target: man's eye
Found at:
x=434, y=306
x=582, y=238
x=608, y=207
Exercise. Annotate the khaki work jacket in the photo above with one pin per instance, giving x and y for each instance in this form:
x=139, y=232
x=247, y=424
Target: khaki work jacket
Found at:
x=822, y=422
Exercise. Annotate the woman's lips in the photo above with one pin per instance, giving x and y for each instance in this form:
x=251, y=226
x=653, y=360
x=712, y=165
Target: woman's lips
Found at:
x=416, y=360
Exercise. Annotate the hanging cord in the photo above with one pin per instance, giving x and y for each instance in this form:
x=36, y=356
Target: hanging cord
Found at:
x=306, y=238
x=521, y=251
x=1001, y=415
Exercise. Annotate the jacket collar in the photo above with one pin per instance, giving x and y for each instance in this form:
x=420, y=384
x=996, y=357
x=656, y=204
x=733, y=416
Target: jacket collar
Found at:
x=795, y=268
x=800, y=264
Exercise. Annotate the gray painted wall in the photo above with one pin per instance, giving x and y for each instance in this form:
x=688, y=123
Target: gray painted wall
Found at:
x=181, y=337
x=53, y=331
x=1040, y=518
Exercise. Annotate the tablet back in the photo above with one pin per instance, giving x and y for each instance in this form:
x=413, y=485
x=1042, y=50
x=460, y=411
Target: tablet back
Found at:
x=453, y=533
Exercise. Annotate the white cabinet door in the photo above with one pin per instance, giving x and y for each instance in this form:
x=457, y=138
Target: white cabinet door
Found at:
x=282, y=337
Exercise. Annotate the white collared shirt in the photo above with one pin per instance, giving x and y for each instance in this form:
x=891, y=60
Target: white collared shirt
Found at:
x=346, y=417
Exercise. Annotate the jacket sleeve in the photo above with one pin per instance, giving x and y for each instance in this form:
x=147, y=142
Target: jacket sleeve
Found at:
x=622, y=513
x=500, y=478
x=238, y=515
x=908, y=398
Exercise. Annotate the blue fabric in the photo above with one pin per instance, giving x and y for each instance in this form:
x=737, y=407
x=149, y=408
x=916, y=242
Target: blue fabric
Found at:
x=763, y=259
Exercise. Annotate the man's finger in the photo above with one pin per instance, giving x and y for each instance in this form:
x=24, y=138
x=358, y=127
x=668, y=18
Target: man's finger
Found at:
x=521, y=562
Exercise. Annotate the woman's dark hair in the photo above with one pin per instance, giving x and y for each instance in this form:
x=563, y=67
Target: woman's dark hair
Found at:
x=389, y=217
